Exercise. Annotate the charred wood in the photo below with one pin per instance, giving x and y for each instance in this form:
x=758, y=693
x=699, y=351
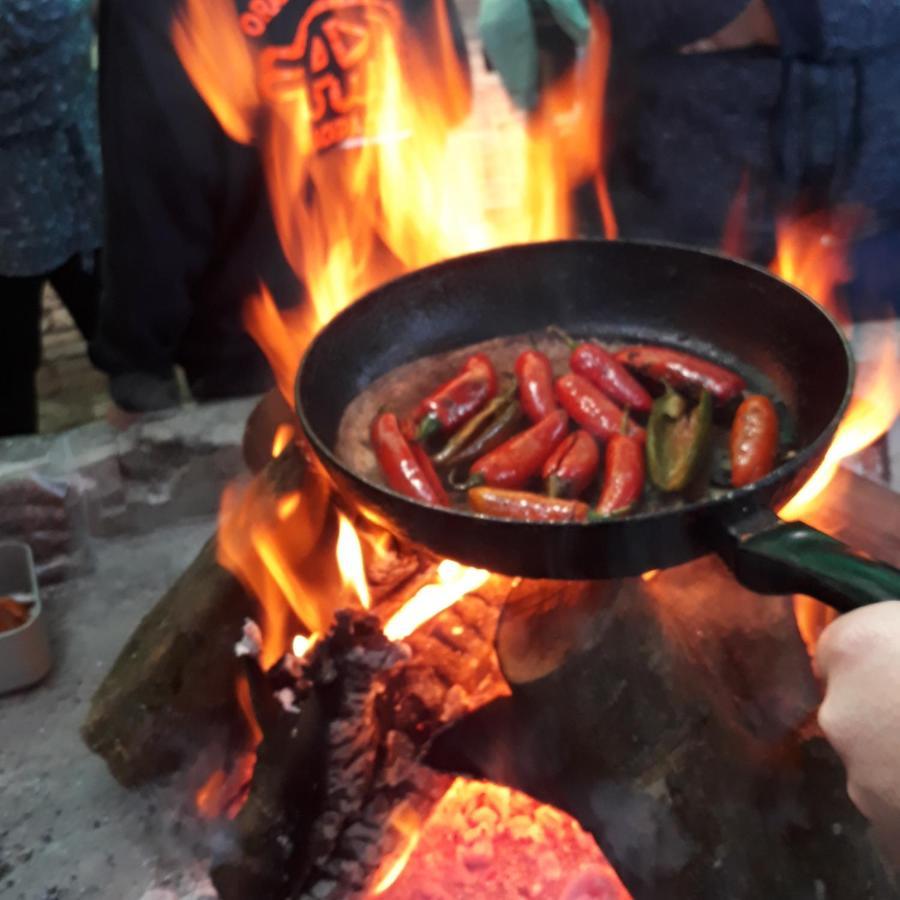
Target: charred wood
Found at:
x=175, y=677
x=633, y=716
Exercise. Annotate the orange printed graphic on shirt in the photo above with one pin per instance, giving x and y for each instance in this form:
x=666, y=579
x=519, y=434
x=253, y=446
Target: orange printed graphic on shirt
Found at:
x=259, y=13
x=325, y=61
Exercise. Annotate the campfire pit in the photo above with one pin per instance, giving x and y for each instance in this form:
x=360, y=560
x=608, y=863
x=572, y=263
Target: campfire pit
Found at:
x=635, y=738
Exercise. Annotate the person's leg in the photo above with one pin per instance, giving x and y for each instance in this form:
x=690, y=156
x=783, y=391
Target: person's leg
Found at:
x=20, y=353
x=77, y=281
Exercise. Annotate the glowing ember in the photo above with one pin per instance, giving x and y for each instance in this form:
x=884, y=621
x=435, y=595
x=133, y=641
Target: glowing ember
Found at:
x=485, y=840
x=406, y=821
x=302, y=644
x=454, y=582
x=350, y=561
x=224, y=792
x=811, y=256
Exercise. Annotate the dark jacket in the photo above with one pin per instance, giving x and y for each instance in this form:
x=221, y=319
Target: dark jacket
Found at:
x=190, y=234
x=814, y=123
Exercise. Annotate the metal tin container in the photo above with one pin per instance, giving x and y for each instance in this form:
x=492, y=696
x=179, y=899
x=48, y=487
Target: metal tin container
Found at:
x=24, y=651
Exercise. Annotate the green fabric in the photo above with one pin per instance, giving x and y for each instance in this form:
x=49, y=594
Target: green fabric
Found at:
x=510, y=42
x=572, y=17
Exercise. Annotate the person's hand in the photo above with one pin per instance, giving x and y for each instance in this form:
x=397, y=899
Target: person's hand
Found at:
x=859, y=657
x=510, y=41
x=754, y=27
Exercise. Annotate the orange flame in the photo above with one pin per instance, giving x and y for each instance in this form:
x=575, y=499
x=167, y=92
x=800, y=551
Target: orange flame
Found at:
x=410, y=182
x=246, y=706
x=813, y=617
x=454, y=582
x=272, y=544
x=350, y=561
x=284, y=434
x=812, y=256
x=391, y=167
x=302, y=644
x=407, y=822
x=873, y=409
x=223, y=792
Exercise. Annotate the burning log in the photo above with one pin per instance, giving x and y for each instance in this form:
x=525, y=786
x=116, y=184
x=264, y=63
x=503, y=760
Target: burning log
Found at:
x=636, y=710
x=175, y=677
x=341, y=752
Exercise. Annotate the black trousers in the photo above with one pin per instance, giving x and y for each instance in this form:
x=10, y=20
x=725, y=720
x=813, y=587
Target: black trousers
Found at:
x=78, y=286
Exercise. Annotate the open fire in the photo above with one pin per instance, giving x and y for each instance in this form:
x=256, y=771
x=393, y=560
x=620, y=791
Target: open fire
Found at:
x=397, y=182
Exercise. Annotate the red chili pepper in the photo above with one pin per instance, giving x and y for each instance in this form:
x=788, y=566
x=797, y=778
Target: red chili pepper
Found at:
x=572, y=466
x=455, y=402
x=601, y=368
x=428, y=470
x=405, y=466
x=754, y=440
x=526, y=507
x=681, y=370
x=623, y=480
x=514, y=463
x=535, y=376
x=592, y=409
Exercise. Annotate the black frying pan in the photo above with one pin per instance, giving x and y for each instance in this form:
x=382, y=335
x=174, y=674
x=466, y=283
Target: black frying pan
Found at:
x=739, y=315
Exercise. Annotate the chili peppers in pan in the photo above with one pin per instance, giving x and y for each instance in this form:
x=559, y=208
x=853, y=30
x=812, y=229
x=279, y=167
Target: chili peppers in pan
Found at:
x=497, y=422
x=754, y=440
x=602, y=369
x=404, y=464
x=535, y=377
x=676, y=439
x=591, y=408
x=526, y=507
x=572, y=466
x=623, y=480
x=455, y=402
x=683, y=371
x=514, y=463
x=483, y=429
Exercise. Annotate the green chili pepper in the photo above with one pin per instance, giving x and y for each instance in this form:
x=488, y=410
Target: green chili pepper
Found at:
x=676, y=439
x=493, y=425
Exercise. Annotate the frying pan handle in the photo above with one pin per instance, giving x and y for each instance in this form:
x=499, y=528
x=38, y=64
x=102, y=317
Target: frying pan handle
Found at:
x=775, y=557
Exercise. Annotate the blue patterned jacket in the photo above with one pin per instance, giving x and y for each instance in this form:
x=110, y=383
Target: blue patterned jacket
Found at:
x=50, y=173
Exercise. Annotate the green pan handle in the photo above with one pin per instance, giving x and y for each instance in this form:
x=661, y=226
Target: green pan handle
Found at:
x=775, y=557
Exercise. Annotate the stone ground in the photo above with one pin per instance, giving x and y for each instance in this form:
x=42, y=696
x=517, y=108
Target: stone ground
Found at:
x=146, y=504
x=67, y=830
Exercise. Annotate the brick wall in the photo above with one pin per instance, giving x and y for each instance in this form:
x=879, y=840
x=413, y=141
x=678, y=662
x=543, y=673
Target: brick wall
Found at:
x=71, y=392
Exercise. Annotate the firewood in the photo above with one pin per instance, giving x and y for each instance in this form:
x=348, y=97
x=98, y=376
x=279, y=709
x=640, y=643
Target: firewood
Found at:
x=342, y=750
x=272, y=830
x=175, y=676
x=619, y=716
